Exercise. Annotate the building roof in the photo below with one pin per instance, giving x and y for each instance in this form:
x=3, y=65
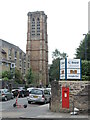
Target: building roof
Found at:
x=36, y=12
x=9, y=45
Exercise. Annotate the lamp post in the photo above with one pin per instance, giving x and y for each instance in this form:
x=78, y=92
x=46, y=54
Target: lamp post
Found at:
x=85, y=46
x=85, y=53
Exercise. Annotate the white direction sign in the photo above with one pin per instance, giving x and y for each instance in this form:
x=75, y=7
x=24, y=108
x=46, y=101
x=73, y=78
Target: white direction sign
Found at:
x=73, y=76
x=62, y=64
x=70, y=69
x=73, y=63
x=62, y=69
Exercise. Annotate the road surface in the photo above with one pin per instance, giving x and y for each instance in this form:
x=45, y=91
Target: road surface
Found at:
x=32, y=111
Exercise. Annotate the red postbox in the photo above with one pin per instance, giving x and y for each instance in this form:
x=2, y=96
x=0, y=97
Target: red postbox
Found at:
x=65, y=97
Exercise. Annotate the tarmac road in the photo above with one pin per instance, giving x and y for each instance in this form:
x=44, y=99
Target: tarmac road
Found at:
x=32, y=111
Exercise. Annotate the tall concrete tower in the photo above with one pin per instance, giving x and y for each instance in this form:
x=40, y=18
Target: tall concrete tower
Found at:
x=37, y=45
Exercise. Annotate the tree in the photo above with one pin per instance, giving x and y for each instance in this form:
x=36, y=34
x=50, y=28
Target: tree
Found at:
x=18, y=76
x=85, y=70
x=35, y=79
x=56, y=54
x=7, y=75
x=64, y=55
x=29, y=76
x=54, y=68
x=84, y=46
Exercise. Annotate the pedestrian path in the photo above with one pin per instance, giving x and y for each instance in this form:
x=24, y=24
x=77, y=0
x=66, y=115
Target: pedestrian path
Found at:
x=46, y=113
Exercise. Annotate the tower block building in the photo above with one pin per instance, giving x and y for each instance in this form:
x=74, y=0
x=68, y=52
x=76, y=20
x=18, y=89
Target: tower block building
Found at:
x=37, y=45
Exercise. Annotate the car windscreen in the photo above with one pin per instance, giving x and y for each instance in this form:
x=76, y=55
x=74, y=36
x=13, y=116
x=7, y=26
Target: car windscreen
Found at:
x=37, y=92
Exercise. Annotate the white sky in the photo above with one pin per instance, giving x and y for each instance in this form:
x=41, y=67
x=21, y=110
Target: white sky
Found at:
x=67, y=22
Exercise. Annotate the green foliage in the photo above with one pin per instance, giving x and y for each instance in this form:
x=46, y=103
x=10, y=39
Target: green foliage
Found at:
x=6, y=74
x=26, y=86
x=85, y=78
x=83, y=48
x=56, y=54
x=54, y=70
x=35, y=79
x=85, y=70
x=5, y=79
x=80, y=51
x=29, y=76
x=18, y=76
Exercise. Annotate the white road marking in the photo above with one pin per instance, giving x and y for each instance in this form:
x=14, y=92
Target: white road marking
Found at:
x=46, y=105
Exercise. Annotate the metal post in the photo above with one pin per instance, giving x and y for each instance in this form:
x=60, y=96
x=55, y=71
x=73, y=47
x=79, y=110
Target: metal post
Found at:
x=85, y=46
x=85, y=52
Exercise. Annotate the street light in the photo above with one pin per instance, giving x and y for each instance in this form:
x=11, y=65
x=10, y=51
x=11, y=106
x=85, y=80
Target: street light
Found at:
x=85, y=53
x=85, y=46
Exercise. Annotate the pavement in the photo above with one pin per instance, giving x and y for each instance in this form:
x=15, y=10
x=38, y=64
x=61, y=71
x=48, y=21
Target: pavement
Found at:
x=53, y=115
x=61, y=116
x=44, y=115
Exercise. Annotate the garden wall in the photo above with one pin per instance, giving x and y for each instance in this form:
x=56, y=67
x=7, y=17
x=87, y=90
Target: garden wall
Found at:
x=78, y=96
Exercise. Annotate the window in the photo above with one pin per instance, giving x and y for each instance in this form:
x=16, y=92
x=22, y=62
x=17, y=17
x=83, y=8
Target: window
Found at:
x=20, y=63
x=15, y=54
x=37, y=92
x=28, y=57
x=38, y=34
x=9, y=52
x=9, y=58
x=33, y=34
x=38, y=22
x=20, y=69
x=33, y=19
x=7, y=64
x=24, y=64
x=33, y=22
x=28, y=65
x=33, y=25
x=24, y=71
x=33, y=28
x=15, y=61
x=20, y=55
x=33, y=31
x=46, y=92
x=38, y=19
x=24, y=57
x=38, y=27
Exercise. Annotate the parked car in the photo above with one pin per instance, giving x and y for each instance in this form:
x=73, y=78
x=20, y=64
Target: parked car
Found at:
x=21, y=92
x=29, y=89
x=39, y=95
x=5, y=94
x=26, y=93
x=15, y=92
x=49, y=89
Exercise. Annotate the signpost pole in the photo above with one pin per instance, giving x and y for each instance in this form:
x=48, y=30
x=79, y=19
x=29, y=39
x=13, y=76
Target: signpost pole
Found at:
x=65, y=68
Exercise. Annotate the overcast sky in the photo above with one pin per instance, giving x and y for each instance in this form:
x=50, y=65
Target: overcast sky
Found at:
x=67, y=22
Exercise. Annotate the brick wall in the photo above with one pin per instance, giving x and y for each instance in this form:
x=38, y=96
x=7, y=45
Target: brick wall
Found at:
x=78, y=94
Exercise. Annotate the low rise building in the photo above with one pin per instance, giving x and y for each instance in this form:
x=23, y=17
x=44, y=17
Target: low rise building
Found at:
x=11, y=56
